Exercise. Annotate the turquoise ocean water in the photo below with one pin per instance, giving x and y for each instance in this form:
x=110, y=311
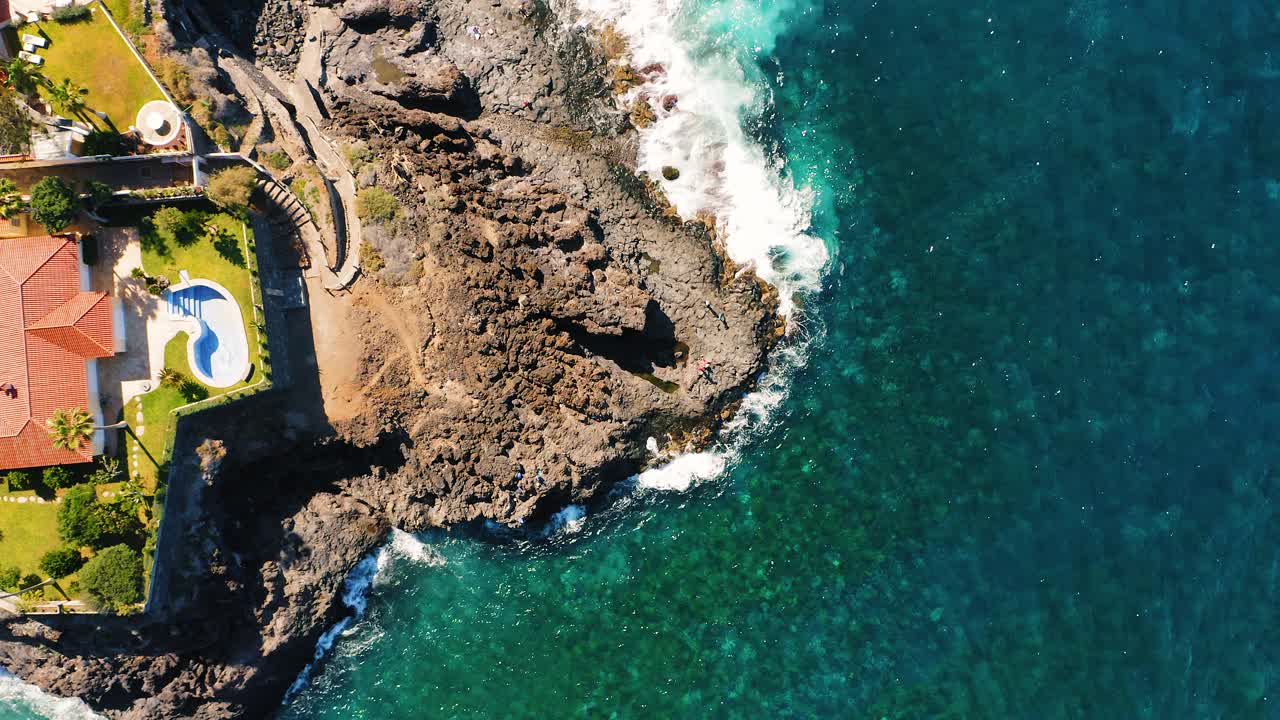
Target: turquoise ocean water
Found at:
x=1028, y=467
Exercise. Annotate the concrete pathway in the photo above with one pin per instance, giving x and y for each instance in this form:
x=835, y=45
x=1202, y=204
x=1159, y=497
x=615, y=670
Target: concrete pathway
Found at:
x=148, y=325
x=303, y=92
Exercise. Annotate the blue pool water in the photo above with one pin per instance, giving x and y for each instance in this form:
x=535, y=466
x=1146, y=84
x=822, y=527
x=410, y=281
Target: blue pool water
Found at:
x=219, y=353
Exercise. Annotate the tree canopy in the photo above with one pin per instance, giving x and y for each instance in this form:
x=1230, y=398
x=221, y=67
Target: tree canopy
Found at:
x=53, y=204
x=230, y=189
x=113, y=577
x=68, y=96
x=78, y=517
x=176, y=226
x=23, y=76
x=11, y=202
x=70, y=428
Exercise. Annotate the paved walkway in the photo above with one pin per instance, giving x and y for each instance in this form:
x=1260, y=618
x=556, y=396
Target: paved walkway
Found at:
x=148, y=326
x=302, y=92
x=299, y=131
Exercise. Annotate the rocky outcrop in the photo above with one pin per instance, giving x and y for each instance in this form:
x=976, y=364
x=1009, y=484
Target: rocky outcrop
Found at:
x=532, y=313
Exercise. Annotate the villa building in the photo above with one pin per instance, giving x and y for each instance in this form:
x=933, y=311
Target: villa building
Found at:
x=53, y=329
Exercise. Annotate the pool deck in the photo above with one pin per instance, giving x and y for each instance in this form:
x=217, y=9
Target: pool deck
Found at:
x=147, y=326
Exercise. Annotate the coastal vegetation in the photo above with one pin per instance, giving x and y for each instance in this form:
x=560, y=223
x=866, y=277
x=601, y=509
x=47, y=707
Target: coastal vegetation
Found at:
x=279, y=160
x=373, y=204
x=231, y=188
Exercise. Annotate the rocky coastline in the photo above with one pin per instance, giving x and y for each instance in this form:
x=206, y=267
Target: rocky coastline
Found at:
x=536, y=315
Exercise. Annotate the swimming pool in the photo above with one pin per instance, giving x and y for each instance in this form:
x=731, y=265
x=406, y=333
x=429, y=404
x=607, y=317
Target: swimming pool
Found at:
x=217, y=348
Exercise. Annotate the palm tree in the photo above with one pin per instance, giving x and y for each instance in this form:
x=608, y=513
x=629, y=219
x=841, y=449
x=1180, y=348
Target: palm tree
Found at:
x=171, y=378
x=23, y=76
x=68, y=97
x=10, y=199
x=69, y=429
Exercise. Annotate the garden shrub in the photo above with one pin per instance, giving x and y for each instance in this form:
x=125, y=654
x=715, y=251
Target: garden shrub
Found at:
x=113, y=578
x=78, y=523
x=70, y=13
x=15, y=126
x=118, y=523
x=103, y=142
x=230, y=189
x=57, y=477
x=373, y=204
x=19, y=480
x=61, y=562
x=9, y=578
x=53, y=204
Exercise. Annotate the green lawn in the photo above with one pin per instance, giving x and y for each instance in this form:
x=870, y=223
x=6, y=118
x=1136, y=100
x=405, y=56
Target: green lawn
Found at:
x=156, y=408
x=225, y=262
x=92, y=54
x=30, y=530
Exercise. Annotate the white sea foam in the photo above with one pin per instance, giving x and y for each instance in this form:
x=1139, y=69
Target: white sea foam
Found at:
x=567, y=521
x=405, y=546
x=682, y=472
x=763, y=217
x=355, y=590
x=15, y=694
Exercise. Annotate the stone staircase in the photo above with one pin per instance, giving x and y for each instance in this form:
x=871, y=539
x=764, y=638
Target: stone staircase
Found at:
x=290, y=222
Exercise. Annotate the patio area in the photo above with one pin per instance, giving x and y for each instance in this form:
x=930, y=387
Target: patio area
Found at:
x=147, y=326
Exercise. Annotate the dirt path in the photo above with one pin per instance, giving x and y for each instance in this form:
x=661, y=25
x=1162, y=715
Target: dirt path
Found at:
x=409, y=336
x=339, y=354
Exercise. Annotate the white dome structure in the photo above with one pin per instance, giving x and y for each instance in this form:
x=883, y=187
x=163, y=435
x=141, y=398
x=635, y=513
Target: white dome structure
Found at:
x=159, y=123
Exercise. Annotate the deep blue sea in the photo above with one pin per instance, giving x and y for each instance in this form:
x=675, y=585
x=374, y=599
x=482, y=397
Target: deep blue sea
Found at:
x=1028, y=465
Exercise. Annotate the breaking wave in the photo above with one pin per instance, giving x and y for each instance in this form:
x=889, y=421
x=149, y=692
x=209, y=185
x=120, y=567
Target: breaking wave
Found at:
x=704, y=86
x=703, y=83
x=355, y=594
x=19, y=700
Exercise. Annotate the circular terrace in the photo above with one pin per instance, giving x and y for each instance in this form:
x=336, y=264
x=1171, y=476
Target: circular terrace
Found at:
x=159, y=123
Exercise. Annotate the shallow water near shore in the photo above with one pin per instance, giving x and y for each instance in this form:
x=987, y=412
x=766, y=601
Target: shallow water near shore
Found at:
x=1027, y=468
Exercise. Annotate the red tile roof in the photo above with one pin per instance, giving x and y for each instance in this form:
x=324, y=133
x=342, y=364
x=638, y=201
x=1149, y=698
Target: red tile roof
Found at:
x=48, y=329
